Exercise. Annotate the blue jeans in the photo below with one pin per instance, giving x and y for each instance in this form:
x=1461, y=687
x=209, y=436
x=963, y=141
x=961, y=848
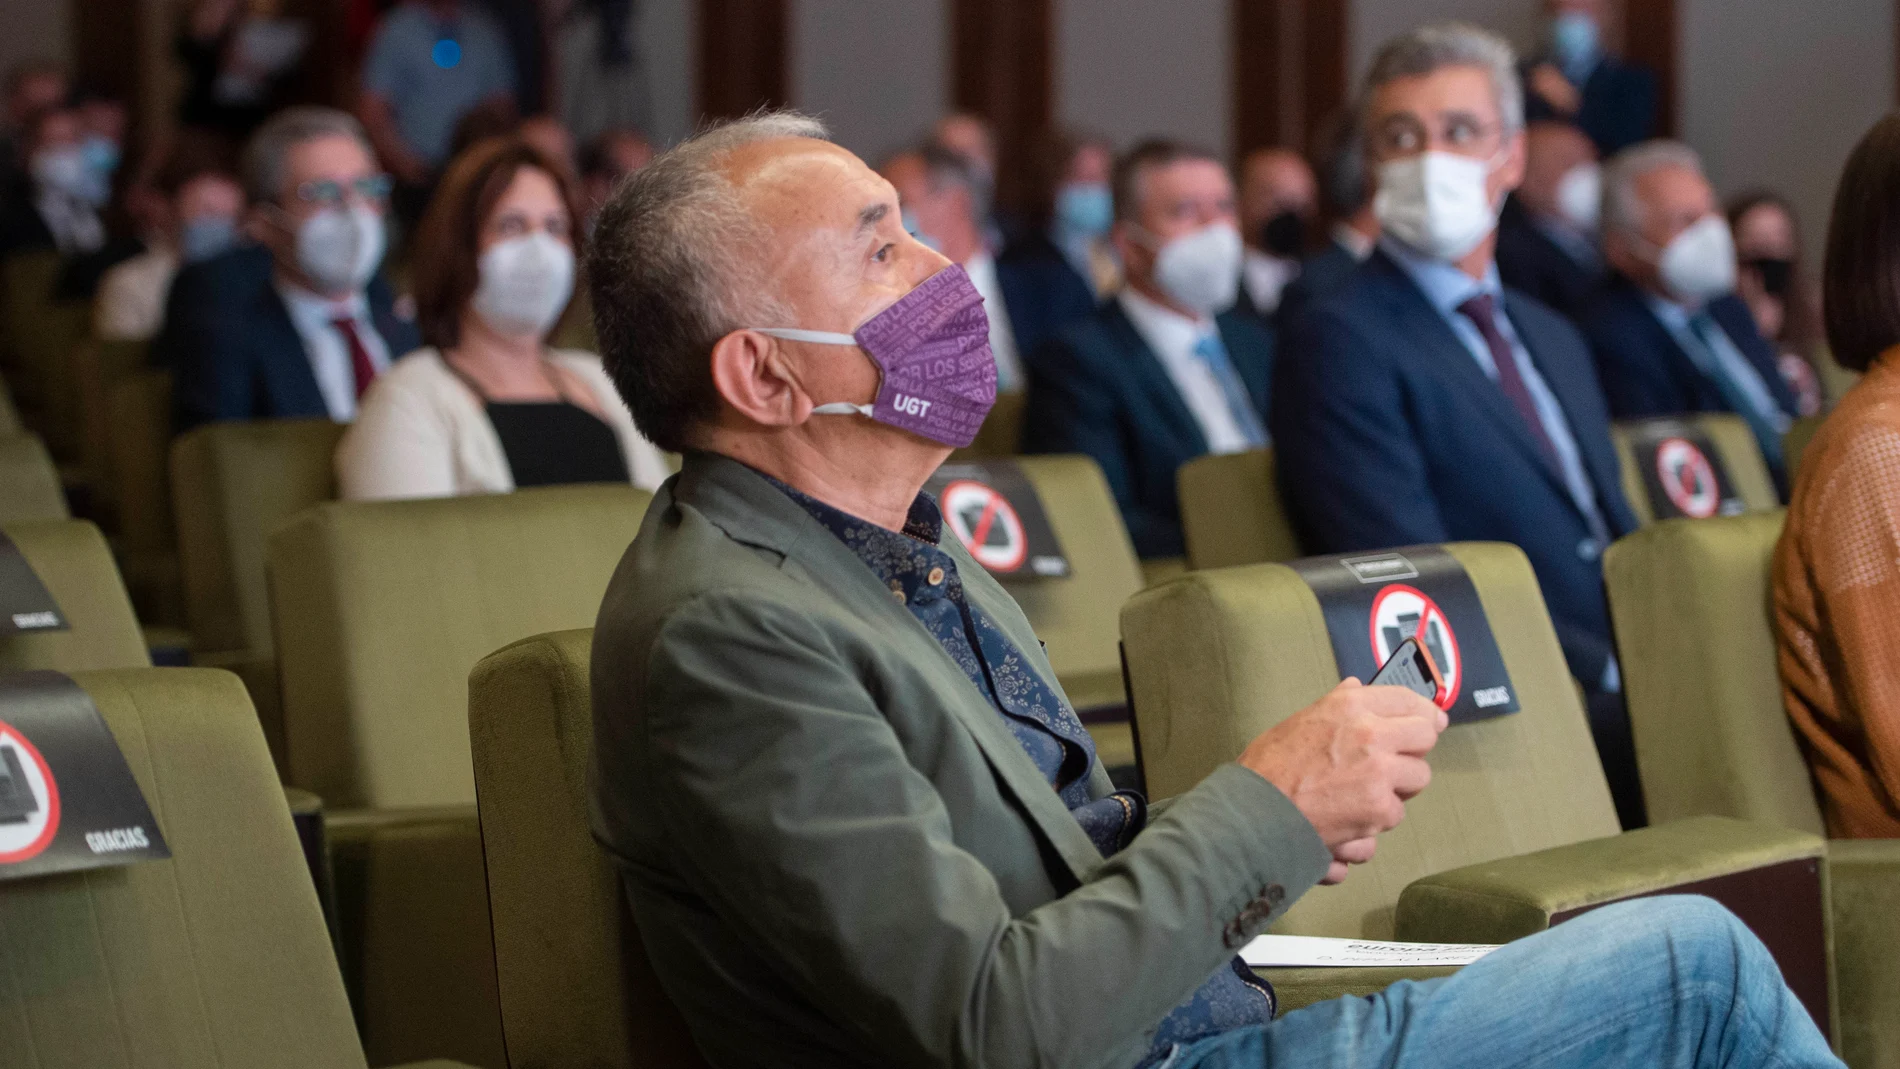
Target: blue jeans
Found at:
x=1662, y=982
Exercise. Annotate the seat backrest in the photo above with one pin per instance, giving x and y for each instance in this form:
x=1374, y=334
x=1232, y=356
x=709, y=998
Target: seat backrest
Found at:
x=381, y=609
x=1075, y=616
x=43, y=334
x=73, y=562
x=232, y=485
x=575, y=985
x=1734, y=444
x=1217, y=657
x=1002, y=431
x=217, y=956
x=9, y=413
x=141, y=407
x=29, y=483
x=1795, y=442
x=97, y=367
x=1231, y=511
x=1691, y=603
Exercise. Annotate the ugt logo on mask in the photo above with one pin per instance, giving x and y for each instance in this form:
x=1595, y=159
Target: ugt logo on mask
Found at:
x=911, y=406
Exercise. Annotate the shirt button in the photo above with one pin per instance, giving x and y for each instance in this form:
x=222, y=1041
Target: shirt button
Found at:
x=935, y=576
x=1589, y=549
x=899, y=595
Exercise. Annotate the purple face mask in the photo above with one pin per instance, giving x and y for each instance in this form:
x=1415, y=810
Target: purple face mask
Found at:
x=933, y=348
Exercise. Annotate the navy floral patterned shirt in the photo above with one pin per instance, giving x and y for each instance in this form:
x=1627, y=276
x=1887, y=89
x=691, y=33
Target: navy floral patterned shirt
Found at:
x=924, y=578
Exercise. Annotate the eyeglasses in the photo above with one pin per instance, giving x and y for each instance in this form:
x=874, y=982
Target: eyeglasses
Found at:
x=1403, y=136
x=326, y=193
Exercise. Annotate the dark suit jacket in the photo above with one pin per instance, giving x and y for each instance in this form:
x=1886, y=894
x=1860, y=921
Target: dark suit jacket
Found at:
x=1387, y=433
x=1531, y=263
x=1320, y=275
x=232, y=349
x=22, y=229
x=1043, y=291
x=837, y=852
x=1097, y=388
x=1619, y=104
x=1644, y=371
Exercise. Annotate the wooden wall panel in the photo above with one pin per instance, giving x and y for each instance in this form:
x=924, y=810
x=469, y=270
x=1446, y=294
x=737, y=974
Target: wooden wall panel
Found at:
x=1001, y=68
x=1652, y=37
x=1289, y=70
x=742, y=56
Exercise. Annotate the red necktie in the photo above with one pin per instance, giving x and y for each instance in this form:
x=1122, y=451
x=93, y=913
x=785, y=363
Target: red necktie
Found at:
x=360, y=363
x=1481, y=310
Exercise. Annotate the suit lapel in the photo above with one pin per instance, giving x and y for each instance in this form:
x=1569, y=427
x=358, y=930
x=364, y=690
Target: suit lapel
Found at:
x=1152, y=379
x=1602, y=466
x=283, y=358
x=751, y=510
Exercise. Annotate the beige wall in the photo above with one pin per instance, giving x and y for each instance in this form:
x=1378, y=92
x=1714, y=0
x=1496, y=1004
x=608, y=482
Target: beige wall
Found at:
x=1132, y=68
x=875, y=70
x=34, y=28
x=671, y=52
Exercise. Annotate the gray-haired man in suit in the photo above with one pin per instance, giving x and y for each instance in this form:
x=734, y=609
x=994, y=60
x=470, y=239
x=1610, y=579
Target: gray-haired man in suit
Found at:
x=857, y=821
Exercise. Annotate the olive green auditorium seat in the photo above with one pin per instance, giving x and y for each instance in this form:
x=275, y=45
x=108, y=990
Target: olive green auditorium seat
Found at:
x=1075, y=616
x=216, y=957
x=40, y=336
x=1516, y=831
x=1734, y=443
x=380, y=610
x=232, y=485
x=1691, y=604
x=1231, y=511
x=1795, y=442
x=576, y=989
x=72, y=561
x=29, y=483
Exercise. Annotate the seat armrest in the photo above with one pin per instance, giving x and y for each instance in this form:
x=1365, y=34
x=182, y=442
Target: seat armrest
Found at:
x=1864, y=889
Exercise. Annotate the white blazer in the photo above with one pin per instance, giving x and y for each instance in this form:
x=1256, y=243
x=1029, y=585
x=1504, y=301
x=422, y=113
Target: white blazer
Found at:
x=421, y=432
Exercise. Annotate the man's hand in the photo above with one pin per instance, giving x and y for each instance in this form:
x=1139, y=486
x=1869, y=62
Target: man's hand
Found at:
x=1549, y=82
x=1350, y=762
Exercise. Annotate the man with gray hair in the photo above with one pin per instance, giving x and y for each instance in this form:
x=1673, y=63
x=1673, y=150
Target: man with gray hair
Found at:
x=1424, y=402
x=1669, y=333
x=300, y=323
x=856, y=820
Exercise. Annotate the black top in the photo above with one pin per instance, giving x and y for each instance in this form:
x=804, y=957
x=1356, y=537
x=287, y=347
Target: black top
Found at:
x=552, y=443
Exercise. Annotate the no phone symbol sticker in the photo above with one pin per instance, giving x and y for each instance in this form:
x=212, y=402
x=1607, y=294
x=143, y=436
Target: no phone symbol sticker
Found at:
x=1398, y=613
x=29, y=798
x=984, y=521
x=1688, y=478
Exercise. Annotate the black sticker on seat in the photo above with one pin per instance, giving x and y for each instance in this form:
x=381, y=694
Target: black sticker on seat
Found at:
x=67, y=799
x=25, y=605
x=1375, y=601
x=996, y=513
x=1683, y=474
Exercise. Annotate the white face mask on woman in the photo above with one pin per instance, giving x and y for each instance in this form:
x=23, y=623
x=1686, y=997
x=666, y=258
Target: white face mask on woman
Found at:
x=1436, y=203
x=1200, y=270
x=525, y=284
x=339, y=249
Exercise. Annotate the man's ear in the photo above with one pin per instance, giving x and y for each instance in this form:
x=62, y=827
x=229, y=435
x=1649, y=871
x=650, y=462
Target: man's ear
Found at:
x=749, y=371
x=260, y=227
x=1516, y=160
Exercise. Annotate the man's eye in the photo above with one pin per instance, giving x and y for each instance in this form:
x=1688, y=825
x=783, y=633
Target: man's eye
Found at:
x=883, y=255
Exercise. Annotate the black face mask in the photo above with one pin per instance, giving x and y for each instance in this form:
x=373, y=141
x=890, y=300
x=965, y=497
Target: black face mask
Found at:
x=1777, y=276
x=1284, y=235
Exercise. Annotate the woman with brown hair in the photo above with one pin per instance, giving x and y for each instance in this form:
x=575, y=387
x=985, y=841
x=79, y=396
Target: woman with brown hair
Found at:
x=1776, y=289
x=488, y=407
x=1837, y=569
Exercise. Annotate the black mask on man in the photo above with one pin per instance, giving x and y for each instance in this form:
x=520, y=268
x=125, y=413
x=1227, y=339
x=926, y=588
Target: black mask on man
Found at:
x=1777, y=276
x=1284, y=235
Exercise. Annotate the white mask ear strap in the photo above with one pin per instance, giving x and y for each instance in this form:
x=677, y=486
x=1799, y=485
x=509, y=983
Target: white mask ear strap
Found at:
x=818, y=337
x=842, y=408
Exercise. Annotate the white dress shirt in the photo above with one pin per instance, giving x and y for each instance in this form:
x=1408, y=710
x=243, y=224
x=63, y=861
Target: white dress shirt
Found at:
x=328, y=350
x=1359, y=245
x=74, y=224
x=1266, y=277
x=1173, y=337
x=131, y=301
x=1009, y=367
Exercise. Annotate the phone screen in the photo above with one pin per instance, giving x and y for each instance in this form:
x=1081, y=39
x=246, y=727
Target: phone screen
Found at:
x=1409, y=668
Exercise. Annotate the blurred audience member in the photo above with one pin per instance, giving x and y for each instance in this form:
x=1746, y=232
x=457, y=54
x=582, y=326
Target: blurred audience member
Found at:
x=102, y=121
x=499, y=117
x=238, y=56
x=1577, y=80
x=1279, y=204
x=302, y=324
x=939, y=192
x=1669, y=333
x=1423, y=402
x=973, y=138
x=1059, y=263
x=1837, y=570
x=603, y=77
x=61, y=205
x=605, y=159
x=1547, y=234
x=430, y=63
x=1786, y=307
x=552, y=140
x=33, y=86
x=1345, y=198
x=488, y=407
x=202, y=206
x=1163, y=373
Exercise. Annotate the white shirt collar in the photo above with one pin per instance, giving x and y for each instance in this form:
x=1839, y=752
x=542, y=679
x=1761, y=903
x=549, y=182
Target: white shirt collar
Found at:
x=1353, y=242
x=1169, y=332
x=314, y=309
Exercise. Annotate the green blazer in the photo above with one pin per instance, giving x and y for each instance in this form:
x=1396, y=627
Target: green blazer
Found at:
x=836, y=851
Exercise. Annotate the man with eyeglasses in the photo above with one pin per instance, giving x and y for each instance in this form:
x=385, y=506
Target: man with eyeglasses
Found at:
x=1423, y=402
x=300, y=323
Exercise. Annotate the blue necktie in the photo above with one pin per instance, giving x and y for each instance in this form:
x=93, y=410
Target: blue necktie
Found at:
x=1739, y=401
x=1213, y=354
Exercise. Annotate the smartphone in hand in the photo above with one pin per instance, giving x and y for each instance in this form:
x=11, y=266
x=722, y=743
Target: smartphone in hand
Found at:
x=1411, y=667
